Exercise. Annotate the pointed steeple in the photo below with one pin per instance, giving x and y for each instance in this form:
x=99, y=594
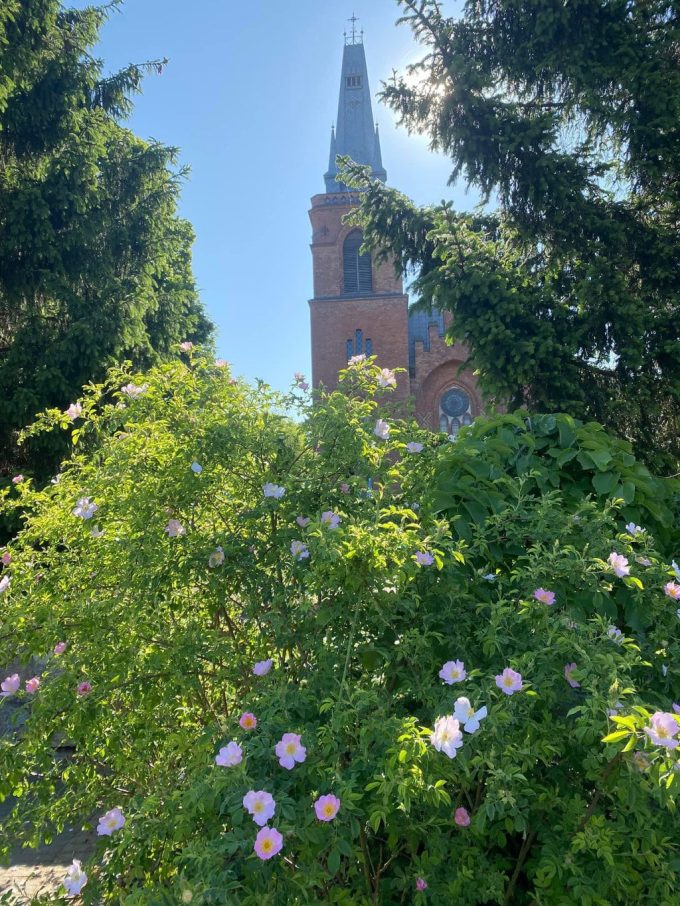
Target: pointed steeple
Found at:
x=355, y=135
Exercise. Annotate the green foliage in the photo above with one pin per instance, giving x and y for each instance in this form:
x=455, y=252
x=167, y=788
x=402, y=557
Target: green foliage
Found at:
x=358, y=632
x=550, y=452
x=95, y=265
x=566, y=117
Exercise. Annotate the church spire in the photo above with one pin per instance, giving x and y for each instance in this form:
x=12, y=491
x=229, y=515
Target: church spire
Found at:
x=355, y=134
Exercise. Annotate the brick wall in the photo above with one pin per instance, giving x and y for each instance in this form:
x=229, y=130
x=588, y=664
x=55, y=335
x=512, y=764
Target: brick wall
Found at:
x=381, y=317
x=436, y=371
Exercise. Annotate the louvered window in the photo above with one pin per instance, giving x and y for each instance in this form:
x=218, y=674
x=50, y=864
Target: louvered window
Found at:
x=356, y=268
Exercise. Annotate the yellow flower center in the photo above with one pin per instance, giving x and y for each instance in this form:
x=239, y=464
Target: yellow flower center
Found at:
x=258, y=806
x=328, y=809
x=266, y=845
x=290, y=748
x=507, y=681
x=662, y=733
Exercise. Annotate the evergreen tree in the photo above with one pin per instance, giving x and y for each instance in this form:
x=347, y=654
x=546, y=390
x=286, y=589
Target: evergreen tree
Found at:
x=95, y=265
x=565, y=114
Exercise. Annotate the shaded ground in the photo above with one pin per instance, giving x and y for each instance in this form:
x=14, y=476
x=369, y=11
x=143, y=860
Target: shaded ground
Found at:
x=38, y=871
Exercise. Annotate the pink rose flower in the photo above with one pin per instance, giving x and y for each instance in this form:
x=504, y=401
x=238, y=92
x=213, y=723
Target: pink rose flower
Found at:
x=568, y=669
x=331, y=519
x=10, y=685
x=619, y=564
x=75, y=879
x=84, y=508
x=84, y=688
x=6, y=558
x=229, y=756
x=453, y=672
x=461, y=817
x=17, y=479
x=268, y=843
x=186, y=346
x=414, y=447
x=382, y=429
x=421, y=884
x=663, y=729
x=5, y=583
x=344, y=487
x=545, y=597
x=327, y=807
x=262, y=668
x=32, y=685
x=74, y=411
x=424, y=558
x=272, y=490
x=247, y=721
x=387, y=378
x=60, y=647
x=112, y=821
x=615, y=634
x=260, y=805
x=299, y=550
x=303, y=521
x=447, y=736
x=672, y=590
x=174, y=529
x=133, y=391
x=290, y=751
x=509, y=681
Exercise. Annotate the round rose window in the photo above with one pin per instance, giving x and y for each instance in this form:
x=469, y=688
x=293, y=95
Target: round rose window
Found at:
x=455, y=410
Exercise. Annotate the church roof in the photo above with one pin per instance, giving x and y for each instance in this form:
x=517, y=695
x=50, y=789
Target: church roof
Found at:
x=356, y=134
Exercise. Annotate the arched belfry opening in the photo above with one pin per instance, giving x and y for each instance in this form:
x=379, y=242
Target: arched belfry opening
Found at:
x=357, y=269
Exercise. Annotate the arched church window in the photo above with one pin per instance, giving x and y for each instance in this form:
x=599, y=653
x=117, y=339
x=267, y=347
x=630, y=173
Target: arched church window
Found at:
x=455, y=410
x=357, y=272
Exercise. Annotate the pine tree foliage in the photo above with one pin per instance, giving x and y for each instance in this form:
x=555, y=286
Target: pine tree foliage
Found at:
x=95, y=265
x=565, y=114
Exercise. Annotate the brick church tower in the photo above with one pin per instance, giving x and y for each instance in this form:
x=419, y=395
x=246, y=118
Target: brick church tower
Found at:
x=359, y=306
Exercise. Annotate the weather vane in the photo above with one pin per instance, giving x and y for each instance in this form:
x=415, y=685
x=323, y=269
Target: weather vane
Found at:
x=353, y=35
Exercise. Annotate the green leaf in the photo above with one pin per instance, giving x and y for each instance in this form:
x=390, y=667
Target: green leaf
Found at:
x=604, y=482
x=334, y=862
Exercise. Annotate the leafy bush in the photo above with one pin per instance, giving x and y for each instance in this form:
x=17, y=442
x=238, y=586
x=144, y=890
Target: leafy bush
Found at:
x=173, y=560
x=549, y=452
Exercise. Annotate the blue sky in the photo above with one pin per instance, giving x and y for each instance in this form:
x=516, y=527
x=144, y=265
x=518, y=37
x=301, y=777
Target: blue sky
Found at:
x=249, y=96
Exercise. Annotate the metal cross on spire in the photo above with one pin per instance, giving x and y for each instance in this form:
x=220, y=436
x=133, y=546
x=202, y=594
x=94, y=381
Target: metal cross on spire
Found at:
x=352, y=37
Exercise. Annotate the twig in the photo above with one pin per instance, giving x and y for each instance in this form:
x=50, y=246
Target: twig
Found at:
x=521, y=859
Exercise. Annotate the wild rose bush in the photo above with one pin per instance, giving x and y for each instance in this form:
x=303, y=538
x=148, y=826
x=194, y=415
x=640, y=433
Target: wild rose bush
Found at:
x=270, y=672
